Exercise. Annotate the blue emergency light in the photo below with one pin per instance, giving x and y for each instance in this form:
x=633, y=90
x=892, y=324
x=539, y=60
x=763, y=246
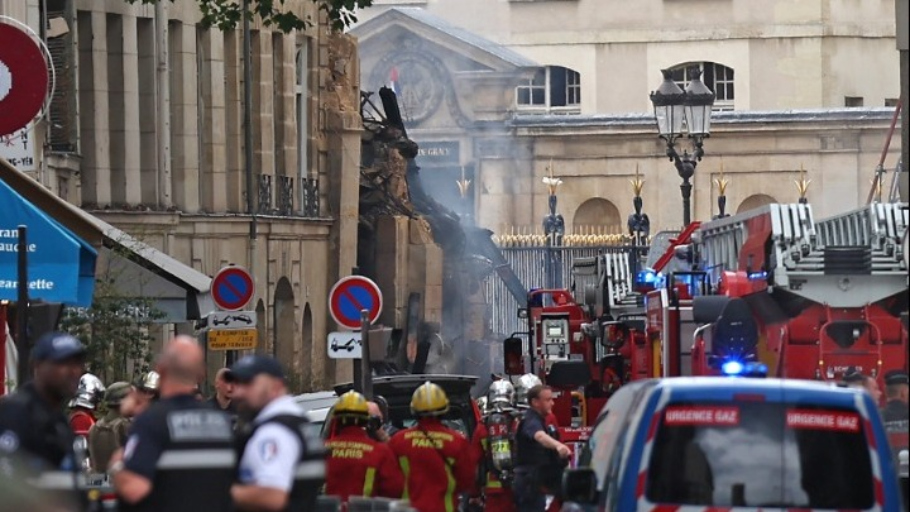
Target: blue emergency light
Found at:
x=647, y=277
x=735, y=368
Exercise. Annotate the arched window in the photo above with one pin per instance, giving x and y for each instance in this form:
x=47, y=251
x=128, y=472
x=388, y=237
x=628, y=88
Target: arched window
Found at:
x=755, y=201
x=596, y=212
x=553, y=89
x=717, y=77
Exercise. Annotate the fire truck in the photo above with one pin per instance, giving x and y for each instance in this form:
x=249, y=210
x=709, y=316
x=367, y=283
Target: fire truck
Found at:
x=769, y=287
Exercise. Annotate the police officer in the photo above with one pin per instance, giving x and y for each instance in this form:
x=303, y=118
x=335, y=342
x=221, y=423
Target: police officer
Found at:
x=358, y=465
x=36, y=442
x=533, y=449
x=496, y=461
x=179, y=454
x=859, y=380
x=109, y=433
x=897, y=392
x=436, y=460
x=282, y=462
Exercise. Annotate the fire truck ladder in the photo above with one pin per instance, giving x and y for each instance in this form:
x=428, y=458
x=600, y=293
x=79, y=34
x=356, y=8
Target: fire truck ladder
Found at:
x=849, y=259
x=614, y=272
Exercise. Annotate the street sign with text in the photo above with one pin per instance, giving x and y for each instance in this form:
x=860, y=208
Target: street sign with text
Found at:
x=345, y=345
x=232, y=339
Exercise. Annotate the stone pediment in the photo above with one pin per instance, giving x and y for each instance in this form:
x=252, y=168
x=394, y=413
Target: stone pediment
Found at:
x=431, y=63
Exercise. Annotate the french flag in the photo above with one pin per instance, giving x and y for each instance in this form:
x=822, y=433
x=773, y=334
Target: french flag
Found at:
x=393, y=81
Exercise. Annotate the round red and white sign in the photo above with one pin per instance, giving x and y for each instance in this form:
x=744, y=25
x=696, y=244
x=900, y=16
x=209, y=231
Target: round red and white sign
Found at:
x=23, y=79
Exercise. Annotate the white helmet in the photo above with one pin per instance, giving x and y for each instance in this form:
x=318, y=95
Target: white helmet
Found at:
x=89, y=393
x=501, y=393
x=525, y=382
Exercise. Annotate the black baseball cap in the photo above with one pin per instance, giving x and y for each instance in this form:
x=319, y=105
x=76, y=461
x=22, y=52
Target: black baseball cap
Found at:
x=896, y=377
x=249, y=367
x=56, y=347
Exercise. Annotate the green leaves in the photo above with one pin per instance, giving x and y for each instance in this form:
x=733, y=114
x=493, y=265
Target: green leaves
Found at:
x=227, y=14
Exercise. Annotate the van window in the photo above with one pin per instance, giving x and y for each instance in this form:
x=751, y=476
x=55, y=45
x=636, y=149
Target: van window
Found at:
x=760, y=454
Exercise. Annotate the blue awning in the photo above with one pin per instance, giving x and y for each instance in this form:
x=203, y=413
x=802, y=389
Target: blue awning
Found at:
x=61, y=266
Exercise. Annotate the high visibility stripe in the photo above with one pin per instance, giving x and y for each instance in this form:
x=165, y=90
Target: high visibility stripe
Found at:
x=450, y=490
x=368, y=482
x=406, y=469
x=55, y=480
x=197, y=459
x=310, y=470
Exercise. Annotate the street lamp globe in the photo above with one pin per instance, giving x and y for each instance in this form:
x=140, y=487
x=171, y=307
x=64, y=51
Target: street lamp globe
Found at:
x=699, y=101
x=669, y=108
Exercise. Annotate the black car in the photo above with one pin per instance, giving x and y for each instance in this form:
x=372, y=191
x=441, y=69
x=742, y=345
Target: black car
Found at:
x=463, y=414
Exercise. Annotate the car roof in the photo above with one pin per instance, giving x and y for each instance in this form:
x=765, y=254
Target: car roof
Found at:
x=405, y=384
x=317, y=400
x=788, y=390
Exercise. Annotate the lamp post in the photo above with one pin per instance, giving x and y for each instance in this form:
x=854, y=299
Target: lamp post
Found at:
x=676, y=110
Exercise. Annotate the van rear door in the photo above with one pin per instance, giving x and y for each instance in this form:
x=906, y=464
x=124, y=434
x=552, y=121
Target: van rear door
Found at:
x=760, y=453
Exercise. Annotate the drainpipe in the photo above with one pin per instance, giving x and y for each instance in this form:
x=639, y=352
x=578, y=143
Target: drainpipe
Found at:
x=163, y=106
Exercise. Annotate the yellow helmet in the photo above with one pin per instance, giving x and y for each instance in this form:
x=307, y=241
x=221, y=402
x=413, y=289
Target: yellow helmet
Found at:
x=352, y=403
x=429, y=400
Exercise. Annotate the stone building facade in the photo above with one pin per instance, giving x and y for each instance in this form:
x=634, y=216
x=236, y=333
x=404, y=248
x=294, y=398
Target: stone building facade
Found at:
x=509, y=91
x=188, y=196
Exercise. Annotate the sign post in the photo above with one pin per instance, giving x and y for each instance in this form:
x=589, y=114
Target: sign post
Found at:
x=355, y=303
x=232, y=329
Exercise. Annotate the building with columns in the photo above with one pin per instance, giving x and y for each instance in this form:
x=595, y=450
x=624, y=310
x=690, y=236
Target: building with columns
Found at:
x=808, y=84
x=144, y=133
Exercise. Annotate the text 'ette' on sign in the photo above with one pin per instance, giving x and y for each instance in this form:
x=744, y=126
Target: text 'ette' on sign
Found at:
x=231, y=319
x=232, y=339
x=345, y=345
x=701, y=416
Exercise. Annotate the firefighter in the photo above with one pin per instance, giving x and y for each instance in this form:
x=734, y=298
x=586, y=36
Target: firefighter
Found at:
x=83, y=405
x=493, y=442
x=179, y=455
x=144, y=392
x=533, y=445
x=109, y=433
x=358, y=465
x=436, y=460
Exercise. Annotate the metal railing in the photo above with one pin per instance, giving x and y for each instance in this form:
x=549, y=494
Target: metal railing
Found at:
x=276, y=196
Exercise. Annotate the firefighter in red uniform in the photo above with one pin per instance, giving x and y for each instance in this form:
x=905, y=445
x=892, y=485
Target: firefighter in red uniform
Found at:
x=357, y=465
x=435, y=459
x=82, y=407
x=494, y=452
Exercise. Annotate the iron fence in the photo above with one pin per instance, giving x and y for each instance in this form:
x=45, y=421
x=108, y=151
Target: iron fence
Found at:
x=276, y=196
x=530, y=265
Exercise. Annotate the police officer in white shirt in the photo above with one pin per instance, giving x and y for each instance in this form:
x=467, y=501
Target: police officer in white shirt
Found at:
x=282, y=463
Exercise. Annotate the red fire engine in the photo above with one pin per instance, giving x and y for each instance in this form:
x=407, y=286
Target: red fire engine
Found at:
x=770, y=286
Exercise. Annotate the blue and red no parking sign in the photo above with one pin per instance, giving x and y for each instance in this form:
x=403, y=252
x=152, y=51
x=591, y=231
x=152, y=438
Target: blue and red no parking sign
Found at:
x=232, y=288
x=352, y=294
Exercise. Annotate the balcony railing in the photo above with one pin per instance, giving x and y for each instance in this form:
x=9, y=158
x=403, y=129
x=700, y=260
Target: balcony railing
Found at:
x=276, y=196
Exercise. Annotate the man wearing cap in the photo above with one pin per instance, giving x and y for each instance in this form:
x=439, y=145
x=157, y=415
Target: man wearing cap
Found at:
x=282, y=461
x=179, y=454
x=108, y=434
x=859, y=380
x=897, y=392
x=36, y=441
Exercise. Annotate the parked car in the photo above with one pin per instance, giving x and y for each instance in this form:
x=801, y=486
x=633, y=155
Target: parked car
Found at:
x=753, y=444
x=317, y=406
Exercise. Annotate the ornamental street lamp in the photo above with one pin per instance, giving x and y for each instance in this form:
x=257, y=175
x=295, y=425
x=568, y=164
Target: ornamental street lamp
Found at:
x=677, y=110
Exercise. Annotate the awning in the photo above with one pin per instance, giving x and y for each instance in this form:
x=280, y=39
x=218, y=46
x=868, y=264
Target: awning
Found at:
x=61, y=266
x=194, y=286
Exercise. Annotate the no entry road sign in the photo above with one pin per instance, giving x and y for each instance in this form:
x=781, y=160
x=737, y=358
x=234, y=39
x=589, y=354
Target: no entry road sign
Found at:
x=352, y=294
x=232, y=288
x=23, y=78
